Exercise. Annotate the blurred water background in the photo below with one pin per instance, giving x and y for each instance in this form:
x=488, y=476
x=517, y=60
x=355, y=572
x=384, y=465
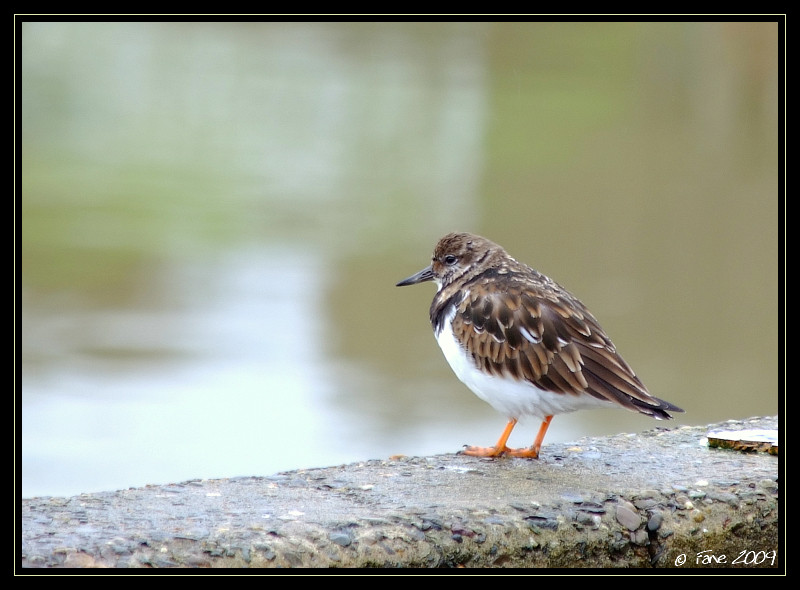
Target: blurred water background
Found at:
x=214, y=216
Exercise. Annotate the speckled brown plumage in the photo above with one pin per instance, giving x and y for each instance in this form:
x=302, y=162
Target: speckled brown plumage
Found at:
x=518, y=325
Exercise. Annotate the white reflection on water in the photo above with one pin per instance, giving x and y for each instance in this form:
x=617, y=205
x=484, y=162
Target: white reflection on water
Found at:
x=238, y=403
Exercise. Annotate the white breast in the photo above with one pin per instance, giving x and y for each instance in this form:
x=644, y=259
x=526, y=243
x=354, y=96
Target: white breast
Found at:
x=510, y=397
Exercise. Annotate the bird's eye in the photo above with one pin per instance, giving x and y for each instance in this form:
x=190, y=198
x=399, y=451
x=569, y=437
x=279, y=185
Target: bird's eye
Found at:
x=450, y=259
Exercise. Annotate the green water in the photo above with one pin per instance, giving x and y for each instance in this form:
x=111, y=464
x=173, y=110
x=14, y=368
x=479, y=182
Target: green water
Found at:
x=214, y=216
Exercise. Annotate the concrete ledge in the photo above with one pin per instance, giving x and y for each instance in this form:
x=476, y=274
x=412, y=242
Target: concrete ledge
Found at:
x=661, y=498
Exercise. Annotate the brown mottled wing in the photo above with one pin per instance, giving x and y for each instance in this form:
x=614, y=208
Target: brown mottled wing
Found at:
x=546, y=336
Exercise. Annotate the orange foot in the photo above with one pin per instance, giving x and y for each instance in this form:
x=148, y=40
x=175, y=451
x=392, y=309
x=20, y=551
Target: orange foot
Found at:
x=486, y=451
x=529, y=453
x=498, y=451
x=501, y=449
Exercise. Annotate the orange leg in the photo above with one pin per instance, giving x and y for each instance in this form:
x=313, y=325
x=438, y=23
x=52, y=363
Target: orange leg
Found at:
x=496, y=450
x=533, y=451
x=501, y=449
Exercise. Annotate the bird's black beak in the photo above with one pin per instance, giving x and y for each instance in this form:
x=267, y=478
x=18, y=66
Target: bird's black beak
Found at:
x=426, y=274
